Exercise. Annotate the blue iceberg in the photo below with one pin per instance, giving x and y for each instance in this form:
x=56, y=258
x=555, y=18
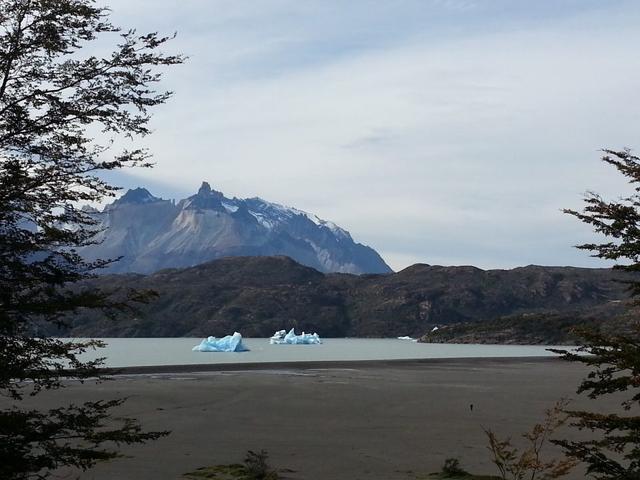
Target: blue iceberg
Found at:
x=281, y=337
x=230, y=343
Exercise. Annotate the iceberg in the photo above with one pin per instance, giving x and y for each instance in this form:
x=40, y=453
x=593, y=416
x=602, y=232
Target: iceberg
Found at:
x=281, y=337
x=230, y=343
x=277, y=337
x=407, y=338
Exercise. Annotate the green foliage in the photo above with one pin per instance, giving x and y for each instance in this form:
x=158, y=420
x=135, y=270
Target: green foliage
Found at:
x=51, y=98
x=618, y=221
x=58, y=434
x=613, y=452
x=220, y=472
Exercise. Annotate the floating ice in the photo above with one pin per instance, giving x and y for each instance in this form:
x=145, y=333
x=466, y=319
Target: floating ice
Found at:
x=282, y=337
x=411, y=339
x=230, y=343
x=435, y=329
x=278, y=337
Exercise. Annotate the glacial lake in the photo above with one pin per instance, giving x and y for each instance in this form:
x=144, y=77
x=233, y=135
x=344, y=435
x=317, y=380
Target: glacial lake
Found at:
x=128, y=352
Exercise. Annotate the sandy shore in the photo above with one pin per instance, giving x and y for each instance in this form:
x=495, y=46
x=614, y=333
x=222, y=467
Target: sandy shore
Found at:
x=364, y=420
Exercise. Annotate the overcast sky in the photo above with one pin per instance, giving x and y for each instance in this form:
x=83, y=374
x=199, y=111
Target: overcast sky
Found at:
x=437, y=131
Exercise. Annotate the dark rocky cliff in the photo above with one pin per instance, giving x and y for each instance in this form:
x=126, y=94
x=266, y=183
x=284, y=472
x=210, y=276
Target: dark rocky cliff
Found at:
x=258, y=295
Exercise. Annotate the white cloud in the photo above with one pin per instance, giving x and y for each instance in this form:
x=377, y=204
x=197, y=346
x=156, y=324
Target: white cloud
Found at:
x=461, y=148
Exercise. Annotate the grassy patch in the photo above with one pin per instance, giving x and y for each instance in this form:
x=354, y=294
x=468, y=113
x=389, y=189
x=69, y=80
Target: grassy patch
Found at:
x=223, y=472
x=227, y=472
x=463, y=476
x=255, y=467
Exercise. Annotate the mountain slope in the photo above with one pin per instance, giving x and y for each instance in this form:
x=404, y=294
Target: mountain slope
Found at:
x=150, y=234
x=259, y=295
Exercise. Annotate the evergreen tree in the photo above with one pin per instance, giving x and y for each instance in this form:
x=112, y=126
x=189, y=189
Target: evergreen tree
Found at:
x=60, y=112
x=614, y=451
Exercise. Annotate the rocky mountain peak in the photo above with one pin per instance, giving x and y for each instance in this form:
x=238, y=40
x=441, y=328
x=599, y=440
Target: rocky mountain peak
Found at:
x=206, y=199
x=205, y=189
x=160, y=234
x=136, y=196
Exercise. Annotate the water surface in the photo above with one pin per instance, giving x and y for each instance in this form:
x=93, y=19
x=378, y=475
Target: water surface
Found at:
x=127, y=352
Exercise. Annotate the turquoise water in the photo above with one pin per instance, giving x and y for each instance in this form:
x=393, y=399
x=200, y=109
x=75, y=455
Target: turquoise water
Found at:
x=127, y=352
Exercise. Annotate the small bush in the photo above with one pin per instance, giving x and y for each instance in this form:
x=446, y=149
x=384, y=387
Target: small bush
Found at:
x=517, y=463
x=452, y=468
x=258, y=467
x=255, y=467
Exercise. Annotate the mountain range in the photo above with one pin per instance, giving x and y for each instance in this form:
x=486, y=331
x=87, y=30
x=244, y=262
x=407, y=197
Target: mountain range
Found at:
x=259, y=295
x=150, y=233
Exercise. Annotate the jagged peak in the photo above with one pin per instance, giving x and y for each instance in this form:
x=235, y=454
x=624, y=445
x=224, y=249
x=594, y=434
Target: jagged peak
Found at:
x=136, y=195
x=205, y=189
x=205, y=199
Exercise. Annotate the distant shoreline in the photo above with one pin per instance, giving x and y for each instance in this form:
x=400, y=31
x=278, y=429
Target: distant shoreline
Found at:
x=320, y=365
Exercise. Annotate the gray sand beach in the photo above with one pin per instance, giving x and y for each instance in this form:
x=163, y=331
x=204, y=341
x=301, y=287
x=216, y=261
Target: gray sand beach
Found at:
x=364, y=420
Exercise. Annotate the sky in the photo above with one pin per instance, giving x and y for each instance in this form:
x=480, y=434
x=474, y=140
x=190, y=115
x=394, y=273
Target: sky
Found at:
x=447, y=132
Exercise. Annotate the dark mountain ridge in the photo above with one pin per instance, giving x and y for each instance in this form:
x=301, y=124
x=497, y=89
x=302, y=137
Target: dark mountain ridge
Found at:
x=258, y=295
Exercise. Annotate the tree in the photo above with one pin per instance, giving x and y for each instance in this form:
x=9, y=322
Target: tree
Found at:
x=61, y=112
x=615, y=451
x=515, y=463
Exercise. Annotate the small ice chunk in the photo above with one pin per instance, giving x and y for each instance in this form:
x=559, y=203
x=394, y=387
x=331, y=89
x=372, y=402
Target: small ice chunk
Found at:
x=230, y=343
x=278, y=337
x=281, y=338
x=407, y=338
x=435, y=329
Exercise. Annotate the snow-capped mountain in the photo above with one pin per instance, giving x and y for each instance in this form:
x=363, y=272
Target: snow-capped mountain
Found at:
x=150, y=233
